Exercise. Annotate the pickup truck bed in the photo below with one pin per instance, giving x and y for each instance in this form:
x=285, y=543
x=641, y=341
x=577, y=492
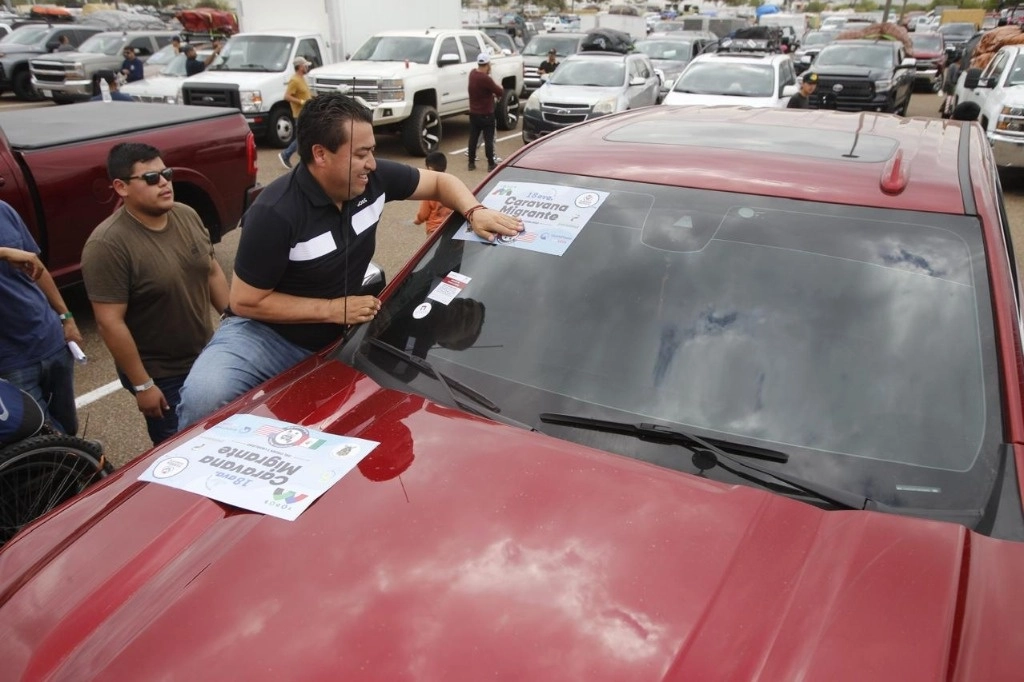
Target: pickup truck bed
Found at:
x=53, y=168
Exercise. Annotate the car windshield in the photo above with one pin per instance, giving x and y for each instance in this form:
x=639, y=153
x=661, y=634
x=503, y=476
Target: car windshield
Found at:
x=926, y=42
x=674, y=50
x=590, y=72
x=416, y=49
x=727, y=78
x=255, y=53
x=859, y=341
x=539, y=45
x=958, y=31
x=815, y=38
x=871, y=56
x=103, y=43
x=26, y=35
x=669, y=26
x=162, y=57
x=1016, y=75
x=177, y=65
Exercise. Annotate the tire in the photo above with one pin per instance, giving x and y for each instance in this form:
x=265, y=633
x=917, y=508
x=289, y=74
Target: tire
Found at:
x=41, y=473
x=421, y=133
x=23, y=88
x=280, y=127
x=506, y=114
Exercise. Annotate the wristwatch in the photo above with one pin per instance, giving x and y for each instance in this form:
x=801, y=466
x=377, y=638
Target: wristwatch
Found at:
x=65, y=316
x=144, y=387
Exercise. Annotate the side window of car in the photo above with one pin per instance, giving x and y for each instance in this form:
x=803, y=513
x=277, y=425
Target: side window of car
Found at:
x=995, y=67
x=449, y=46
x=69, y=33
x=471, y=46
x=142, y=46
x=311, y=51
x=162, y=41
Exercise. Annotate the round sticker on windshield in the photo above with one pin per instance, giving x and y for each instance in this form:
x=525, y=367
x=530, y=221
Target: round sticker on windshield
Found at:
x=746, y=212
x=421, y=311
x=172, y=466
x=587, y=199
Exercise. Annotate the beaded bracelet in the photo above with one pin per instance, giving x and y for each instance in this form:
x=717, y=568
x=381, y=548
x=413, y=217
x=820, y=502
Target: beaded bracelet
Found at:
x=469, y=214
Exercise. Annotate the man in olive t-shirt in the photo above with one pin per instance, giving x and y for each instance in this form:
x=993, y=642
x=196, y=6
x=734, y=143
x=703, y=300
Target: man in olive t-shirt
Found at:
x=151, y=277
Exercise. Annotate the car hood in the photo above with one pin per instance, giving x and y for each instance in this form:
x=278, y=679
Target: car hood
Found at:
x=157, y=86
x=363, y=69
x=713, y=100
x=928, y=54
x=844, y=71
x=245, y=80
x=575, y=94
x=16, y=50
x=462, y=549
x=82, y=58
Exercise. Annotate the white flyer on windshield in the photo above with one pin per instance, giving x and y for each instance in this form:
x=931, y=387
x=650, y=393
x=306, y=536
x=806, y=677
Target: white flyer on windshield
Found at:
x=260, y=464
x=553, y=215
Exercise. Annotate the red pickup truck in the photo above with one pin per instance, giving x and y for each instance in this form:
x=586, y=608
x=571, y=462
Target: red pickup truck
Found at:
x=53, y=168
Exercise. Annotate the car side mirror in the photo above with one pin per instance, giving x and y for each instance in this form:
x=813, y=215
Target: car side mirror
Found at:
x=448, y=58
x=52, y=45
x=972, y=78
x=790, y=90
x=505, y=51
x=637, y=80
x=374, y=281
x=908, y=63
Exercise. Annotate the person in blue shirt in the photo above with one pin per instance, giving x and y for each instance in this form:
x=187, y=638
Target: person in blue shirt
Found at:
x=131, y=67
x=35, y=326
x=115, y=93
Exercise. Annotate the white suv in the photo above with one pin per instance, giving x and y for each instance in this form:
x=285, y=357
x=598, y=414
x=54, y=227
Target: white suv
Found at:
x=750, y=79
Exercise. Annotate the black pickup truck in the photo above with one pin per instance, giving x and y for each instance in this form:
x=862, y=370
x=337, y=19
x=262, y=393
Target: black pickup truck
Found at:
x=864, y=75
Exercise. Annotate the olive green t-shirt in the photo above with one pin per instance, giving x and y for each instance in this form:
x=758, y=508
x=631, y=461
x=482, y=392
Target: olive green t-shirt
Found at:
x=163, y=276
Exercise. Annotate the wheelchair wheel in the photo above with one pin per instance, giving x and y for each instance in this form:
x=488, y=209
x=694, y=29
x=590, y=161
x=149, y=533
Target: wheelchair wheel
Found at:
x=42, y=472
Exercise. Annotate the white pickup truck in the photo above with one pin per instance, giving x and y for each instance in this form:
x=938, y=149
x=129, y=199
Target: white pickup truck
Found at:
x=998, y=90
x=413, y=79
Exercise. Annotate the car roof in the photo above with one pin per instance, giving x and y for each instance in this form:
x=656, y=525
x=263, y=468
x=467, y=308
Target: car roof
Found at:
x=602, y=54
x=829, y=156
x=741, y=57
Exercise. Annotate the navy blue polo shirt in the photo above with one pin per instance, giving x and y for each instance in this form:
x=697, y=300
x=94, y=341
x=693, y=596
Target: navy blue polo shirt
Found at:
x=296, y=241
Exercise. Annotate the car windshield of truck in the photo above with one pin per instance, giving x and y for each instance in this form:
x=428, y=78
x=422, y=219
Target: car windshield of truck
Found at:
x=957, y=31
x=162, y=57
x=1016, y=75
x=26, y=35
x=177, y=64
x=926, y=42
x=674, y=50
x=103, y=43
x=417, y=49
x=255, y=53
x=539, y=45
x=869, y=56
x=859, y=341
x=727, y=78
x=816, y=38
x=590, y=73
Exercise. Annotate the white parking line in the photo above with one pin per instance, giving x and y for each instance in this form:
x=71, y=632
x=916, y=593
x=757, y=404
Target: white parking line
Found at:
x=97, y=393
x=497, y=139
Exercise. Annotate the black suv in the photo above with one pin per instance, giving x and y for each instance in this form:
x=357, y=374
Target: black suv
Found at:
x=864, y=75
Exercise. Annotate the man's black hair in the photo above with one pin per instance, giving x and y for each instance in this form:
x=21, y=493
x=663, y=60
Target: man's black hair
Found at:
x=326, y=121
x=124, y=156
x=437, y=161
x=966, y=111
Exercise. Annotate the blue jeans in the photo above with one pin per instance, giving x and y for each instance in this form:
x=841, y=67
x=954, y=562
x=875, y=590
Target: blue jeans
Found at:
x=292, y=147
x=162, y=428
x=51, y=381
x=242, y=354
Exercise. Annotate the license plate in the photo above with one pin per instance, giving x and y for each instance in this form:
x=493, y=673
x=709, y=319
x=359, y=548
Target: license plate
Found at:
x=47, y=93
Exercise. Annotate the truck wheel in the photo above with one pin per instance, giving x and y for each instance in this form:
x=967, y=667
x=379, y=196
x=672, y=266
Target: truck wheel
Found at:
x=506, y=114
x=421, y=133
x=280, y=127
x=23, y=89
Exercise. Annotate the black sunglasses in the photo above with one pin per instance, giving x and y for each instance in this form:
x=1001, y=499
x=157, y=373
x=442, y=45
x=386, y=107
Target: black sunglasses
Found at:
x=153, y=177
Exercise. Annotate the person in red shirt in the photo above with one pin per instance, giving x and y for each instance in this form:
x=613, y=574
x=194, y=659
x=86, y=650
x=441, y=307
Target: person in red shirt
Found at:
x=482, y=91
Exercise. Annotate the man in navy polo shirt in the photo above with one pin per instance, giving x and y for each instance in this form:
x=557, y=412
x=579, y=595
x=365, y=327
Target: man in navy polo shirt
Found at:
x=35, y=326
x=304, y=248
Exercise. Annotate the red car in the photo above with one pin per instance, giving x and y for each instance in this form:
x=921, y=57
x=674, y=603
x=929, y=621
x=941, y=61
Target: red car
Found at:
x=743, y=402
x=930, y=53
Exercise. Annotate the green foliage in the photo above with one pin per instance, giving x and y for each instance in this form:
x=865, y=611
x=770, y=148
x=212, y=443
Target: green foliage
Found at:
x=865, y=6
x=815, y=6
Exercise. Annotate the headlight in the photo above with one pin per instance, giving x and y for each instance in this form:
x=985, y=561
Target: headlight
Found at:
x=882, y=86
x=532, y=104
x=172, y=99
x=606, y=106
x=1011, y=120
x=392, y=90
x=252, y=101
x=76, y=71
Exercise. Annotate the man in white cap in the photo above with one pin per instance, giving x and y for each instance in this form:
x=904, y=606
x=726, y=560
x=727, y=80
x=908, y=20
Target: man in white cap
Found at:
x=482, y=91
x=297, y=93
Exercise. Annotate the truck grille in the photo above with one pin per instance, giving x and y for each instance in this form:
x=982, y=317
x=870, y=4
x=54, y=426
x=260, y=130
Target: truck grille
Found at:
x=216, y=96
x=854, y=94
x=365, y=88
x=564, y=114
x=48, y=72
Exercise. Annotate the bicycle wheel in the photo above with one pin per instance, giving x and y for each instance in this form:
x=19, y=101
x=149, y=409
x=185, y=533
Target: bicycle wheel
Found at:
x=40, y=473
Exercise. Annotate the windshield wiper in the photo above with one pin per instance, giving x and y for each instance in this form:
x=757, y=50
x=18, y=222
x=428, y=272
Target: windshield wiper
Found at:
x=655, y=432
x=483, y=406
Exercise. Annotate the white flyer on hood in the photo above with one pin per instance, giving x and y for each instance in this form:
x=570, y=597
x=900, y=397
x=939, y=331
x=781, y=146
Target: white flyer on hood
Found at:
x=260, y=464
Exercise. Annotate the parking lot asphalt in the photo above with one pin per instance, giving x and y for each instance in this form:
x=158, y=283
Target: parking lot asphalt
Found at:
x=109, y=414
